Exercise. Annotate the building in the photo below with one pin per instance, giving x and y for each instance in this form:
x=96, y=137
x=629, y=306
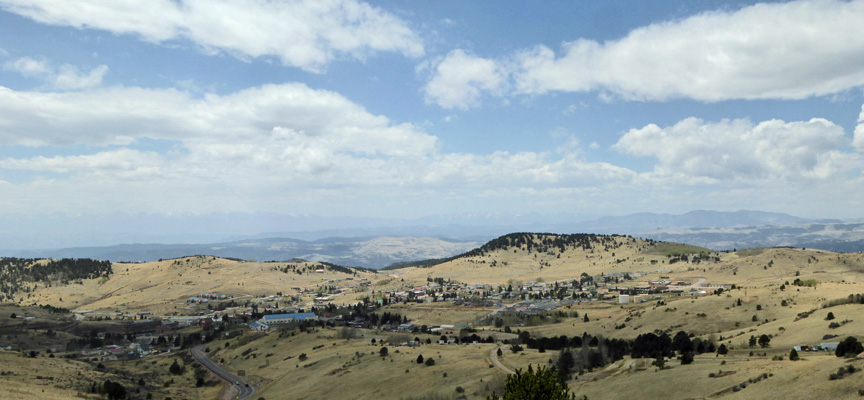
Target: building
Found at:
x=283, y=318
x=623, y=299
x=259, y=326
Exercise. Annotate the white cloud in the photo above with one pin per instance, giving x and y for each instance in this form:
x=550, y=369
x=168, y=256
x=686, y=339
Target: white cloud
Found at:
x=460, y=79
x=305, y=33
x=65, y=77
x=28, y=67
x=693, y=151
x=858, y=140
x=249, y=149
x=788, y=50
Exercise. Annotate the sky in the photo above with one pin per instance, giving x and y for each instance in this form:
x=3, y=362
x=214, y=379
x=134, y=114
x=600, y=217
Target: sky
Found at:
x=395, y=109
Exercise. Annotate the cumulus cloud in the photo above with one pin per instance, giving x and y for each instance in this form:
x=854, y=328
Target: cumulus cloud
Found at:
x=461, y=78
x=695, y=151
x=788, y=50
x=65, y=77
x=301, y=33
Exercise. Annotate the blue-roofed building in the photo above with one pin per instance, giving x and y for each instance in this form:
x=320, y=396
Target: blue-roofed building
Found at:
x=281, y=318
x=259, y=326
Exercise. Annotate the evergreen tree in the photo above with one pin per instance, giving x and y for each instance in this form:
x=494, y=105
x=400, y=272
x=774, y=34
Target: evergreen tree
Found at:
x=565, y=364
x=793, y=355
x=530, y=385
x=686, y=358
x=175, y=368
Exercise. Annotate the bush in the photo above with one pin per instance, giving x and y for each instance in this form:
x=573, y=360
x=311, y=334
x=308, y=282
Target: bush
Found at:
x=830, y=316
x=430, y=362
x=420, y=359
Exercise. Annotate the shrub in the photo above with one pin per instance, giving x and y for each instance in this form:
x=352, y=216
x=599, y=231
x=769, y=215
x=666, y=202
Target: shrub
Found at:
x=430, y=362
x=830, y=316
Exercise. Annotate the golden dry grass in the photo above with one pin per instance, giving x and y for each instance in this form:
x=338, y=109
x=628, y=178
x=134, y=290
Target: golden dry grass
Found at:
x=335, y=371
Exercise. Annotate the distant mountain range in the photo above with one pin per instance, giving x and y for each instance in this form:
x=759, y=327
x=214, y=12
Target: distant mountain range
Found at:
x=375, y=243
x=355, y=252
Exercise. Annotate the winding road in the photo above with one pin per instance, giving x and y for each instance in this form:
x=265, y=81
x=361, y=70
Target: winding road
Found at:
x=244, y=389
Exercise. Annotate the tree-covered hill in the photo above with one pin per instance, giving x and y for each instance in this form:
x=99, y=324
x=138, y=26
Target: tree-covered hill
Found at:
x=22, y=274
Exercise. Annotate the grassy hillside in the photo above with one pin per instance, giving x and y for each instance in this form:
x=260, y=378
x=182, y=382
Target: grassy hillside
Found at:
x=782, y=293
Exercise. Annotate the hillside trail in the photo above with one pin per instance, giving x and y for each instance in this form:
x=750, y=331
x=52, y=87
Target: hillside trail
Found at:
x=493, y=356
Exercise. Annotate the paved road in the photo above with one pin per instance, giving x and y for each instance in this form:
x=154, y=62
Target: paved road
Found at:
x=493, y=355
x=244, y=389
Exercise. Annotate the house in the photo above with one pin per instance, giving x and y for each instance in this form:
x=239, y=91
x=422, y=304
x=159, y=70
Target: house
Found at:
x=623, y=298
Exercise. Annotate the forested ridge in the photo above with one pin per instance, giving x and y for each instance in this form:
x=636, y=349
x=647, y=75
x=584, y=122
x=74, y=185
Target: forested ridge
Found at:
x=23, y=274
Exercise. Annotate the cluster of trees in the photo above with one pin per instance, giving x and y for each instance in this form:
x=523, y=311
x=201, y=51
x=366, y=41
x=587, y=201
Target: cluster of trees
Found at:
x=16, y=274
x=650, y=345
x=112, y=390
x=322, y=265
x=763, y=341
x=587, y=352
x=543, y=242
x=694, y=258
x=849, y=347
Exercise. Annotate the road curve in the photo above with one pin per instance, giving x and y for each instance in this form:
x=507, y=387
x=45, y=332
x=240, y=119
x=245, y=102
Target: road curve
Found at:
x=244, y=389
x=493, y=356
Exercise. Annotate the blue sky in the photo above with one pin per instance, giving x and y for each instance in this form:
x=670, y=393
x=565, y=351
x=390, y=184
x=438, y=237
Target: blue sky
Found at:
x=409, y=109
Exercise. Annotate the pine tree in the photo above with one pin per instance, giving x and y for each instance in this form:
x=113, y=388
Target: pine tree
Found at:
x=542, y=384
x=793, y=355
